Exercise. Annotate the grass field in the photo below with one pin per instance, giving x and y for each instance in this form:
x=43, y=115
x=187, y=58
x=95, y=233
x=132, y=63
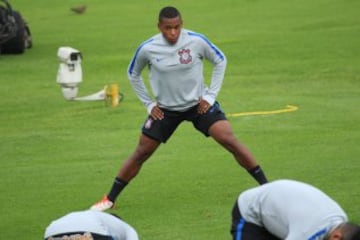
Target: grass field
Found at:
x=58, y=156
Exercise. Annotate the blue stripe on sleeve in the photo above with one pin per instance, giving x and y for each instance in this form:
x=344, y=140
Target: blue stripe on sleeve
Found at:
x=217, y=51
x=318, y=234
x=239, y=229
x=131, y=68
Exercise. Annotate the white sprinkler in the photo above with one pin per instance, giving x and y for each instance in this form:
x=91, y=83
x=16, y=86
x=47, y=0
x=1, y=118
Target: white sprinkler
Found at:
x=69, y=77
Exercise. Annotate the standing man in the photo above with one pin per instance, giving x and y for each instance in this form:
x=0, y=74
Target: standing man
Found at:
x=290, y=210
x=174, y=58
x=90, y=225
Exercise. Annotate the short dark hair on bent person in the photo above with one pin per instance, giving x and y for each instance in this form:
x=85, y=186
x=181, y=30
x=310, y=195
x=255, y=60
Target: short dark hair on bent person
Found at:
x=168, y=12
x=351, y=231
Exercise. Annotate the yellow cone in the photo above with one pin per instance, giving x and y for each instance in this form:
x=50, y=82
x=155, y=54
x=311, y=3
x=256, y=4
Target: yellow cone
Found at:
x=112, y=95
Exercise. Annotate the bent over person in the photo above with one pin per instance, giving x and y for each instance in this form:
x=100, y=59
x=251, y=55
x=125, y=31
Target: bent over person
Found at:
x=90, y=225
x=291, y=210
x=174, y=58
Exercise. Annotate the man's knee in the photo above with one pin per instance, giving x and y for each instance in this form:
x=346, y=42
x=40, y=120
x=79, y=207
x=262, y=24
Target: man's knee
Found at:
x=145, y=148
x=221, y=130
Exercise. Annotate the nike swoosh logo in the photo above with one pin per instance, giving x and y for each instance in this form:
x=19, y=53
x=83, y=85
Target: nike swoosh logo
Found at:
x=159, y=59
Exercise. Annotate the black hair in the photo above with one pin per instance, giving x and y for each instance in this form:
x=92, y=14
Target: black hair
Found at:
x=169, y=12
x=351, y=231
x=117, y=216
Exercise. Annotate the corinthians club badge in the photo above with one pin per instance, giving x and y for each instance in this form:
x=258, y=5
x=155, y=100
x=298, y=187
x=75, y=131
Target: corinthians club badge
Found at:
x=185, y=56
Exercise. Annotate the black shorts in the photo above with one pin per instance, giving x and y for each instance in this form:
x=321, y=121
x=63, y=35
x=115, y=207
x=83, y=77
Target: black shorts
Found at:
x=161, y=130
x=242, y=230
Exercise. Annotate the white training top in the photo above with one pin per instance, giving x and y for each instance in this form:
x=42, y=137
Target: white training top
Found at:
x=94, y=222
x=291, y=210
x=176, y=71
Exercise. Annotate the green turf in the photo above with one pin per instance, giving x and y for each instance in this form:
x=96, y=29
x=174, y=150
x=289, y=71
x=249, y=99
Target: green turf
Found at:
x=59, y=156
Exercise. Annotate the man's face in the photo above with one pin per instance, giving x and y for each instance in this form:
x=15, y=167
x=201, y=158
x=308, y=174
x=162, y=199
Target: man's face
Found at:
x=170, y=28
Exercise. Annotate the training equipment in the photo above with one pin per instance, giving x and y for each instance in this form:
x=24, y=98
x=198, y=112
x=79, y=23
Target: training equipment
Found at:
x=289, y=108
x=103, y=204
x=69, y=76
x=70, y=73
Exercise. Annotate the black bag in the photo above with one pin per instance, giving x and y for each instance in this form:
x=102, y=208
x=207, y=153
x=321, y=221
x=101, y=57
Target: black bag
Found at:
x=15, y=36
